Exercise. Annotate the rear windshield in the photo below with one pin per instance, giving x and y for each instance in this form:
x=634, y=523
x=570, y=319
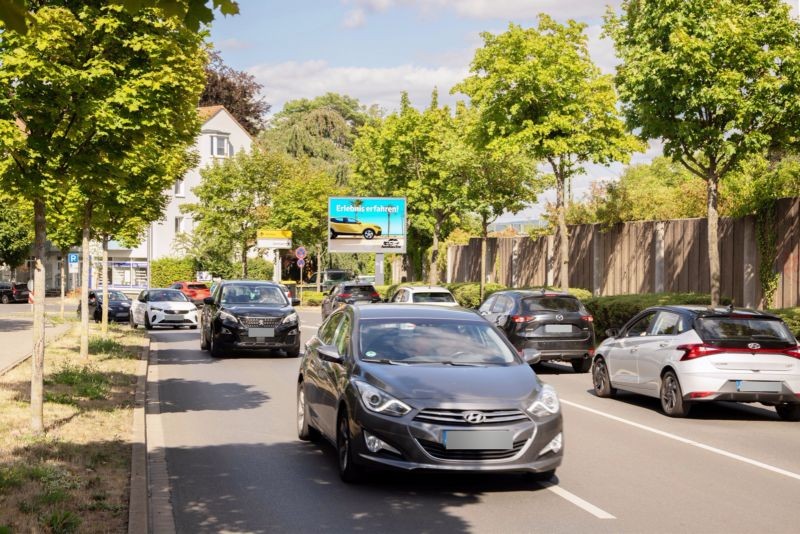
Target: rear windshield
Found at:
x=359, y=290
x=198, y=286
x=743, y=330
x=559, y=304
x=21, y=286
x=334, y=275
x=433, y=296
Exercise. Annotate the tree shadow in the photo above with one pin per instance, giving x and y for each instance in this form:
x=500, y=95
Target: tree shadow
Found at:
x=178, y=396
x=554, y=368
x=15, y=325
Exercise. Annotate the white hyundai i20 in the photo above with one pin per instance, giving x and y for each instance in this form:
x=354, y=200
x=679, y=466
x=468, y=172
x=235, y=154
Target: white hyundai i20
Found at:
x=688, y=354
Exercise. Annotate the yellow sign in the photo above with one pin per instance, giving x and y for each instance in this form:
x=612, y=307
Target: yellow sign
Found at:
x=274, y=234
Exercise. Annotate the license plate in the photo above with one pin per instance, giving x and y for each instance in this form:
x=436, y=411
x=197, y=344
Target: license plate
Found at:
x=261, y=332
x=558, y=328
x=478, y=440
x=758, y=387
x=122, y=314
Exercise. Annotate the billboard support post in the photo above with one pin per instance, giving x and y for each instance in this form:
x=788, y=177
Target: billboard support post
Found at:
x=379, y=278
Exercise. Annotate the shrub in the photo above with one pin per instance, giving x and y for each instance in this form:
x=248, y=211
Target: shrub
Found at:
x=165, y=271
x=792, y=318
x=577, y=292
x=468, y=294
x=312, y=298
x=259, y=269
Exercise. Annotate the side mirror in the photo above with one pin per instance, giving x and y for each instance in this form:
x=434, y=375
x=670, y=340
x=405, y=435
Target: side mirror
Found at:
x=612, y=332
x=295, y=302
x=330, y=353
x=502, y=320
x=208, y=300
x=531, y=356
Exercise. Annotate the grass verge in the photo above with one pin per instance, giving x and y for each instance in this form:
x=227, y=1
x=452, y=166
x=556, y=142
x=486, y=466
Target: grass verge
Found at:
x=75, y=477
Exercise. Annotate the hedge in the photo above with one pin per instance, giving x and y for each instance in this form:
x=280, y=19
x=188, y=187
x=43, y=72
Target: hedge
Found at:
x=312, y=298
x=792, y=318
x=166, y=271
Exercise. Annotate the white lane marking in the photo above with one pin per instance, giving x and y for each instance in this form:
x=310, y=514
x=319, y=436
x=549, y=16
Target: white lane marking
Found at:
x=577, y=501
x=686, y=441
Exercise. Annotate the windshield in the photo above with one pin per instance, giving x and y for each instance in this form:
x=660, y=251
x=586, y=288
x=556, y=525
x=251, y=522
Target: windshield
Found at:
x=114, y=295
x=253, y=294
x=554, y=303
x=337, y=275
x=433, y=296
x=359, y=290
x=168, y=296
x=743, y=330
x=433, y=341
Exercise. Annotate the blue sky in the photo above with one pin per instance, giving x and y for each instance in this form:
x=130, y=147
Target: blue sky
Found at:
x=374, y=49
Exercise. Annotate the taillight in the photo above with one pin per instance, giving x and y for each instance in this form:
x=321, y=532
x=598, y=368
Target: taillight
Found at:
x=794, y=353
x=591, y=352
x=522, y=318
x=345, y=295
x=376, y=295
x=701, y=394
x=587, y=318
x=698, y=351
x=13, y=290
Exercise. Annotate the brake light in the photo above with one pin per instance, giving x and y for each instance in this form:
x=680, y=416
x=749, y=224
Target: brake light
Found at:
x=587, y=318
x=13, y=290
x=376, y=295
x=591, y=352
x=700, y=394
x=794, y=353
x=697, y=351
x=345, y=295
x=522, y=318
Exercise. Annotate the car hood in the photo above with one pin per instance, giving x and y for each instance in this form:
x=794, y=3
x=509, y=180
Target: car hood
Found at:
x=256, y=310
x=172, y=305
x=494, y=384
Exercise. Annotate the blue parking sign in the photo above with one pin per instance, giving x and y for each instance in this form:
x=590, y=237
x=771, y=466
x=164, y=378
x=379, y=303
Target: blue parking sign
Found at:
x=72, y=257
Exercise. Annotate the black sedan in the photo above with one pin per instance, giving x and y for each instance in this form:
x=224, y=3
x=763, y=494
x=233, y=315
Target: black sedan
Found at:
x=247, y=315
x=119, y=306
x=418, y=387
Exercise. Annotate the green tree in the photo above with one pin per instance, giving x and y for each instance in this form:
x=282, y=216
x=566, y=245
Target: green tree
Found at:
x=237, y=90
x=540, y=93
x=82, y=92
x=16, y=230
x=64, y=210
x=716, y=80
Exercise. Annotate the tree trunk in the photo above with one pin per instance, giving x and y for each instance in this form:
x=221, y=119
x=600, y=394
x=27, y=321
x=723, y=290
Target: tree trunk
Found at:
x=319, y=268
x=37, y=361
x=713, y=237
x=563, y=233
x=484, y=234
x=63, y=276
x=87, y=221
x=433, y=275
x=104, y=327
x=244, y=260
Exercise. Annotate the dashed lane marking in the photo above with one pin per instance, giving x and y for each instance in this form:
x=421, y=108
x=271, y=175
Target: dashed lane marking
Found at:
x=577, y=501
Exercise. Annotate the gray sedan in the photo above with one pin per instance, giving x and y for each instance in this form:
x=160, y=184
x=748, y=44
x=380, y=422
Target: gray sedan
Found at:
x=417, y=387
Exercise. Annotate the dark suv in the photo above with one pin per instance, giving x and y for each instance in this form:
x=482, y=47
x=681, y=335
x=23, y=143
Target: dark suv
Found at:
x=553, y=323
x=249, y=315
x=348, y=293
x=11, y=292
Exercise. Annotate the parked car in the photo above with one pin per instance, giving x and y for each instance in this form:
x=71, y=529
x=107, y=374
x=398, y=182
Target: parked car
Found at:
x=554, y=323
x=684, y=355
x=348, y=293
x=12, y=292
x=195, y=291
x=163, y=307
x=349, y=226
x=439, y=296
x=250, y=315
x=119, y=306
x=365, y=278
x=331, y=277
x=420, y=387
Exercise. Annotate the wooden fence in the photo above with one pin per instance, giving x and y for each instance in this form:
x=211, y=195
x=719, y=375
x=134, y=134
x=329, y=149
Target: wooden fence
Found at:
x=645, y=257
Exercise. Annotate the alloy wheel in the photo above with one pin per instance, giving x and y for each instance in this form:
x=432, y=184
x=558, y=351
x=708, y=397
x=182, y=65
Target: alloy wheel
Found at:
x=669, y=393
x=599, y=375
x=343, y=439
x=301, y=409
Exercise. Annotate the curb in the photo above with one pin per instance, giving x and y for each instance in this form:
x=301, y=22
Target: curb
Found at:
x=47, y=339
x=137, y=507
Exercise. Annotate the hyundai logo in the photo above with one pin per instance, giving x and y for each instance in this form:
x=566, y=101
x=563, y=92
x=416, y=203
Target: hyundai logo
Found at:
x=474, y=417
x=754, y=346
x=559, y=317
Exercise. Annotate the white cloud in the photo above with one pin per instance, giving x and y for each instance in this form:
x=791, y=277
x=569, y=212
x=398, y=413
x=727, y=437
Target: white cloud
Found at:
x=382, y=86
x=354, y=18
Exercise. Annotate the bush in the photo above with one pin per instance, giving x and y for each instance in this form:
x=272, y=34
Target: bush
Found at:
x=165, y=271
x=581, y=294
x=259, y=269
x=468, y=294
x=312, y=298
x=792, y=318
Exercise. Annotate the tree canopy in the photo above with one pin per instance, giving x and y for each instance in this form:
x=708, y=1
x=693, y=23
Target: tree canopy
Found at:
x=16, y=230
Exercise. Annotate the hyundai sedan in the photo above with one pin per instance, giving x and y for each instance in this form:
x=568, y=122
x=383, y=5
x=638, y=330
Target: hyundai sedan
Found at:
x=415, y=387
x=684, y=355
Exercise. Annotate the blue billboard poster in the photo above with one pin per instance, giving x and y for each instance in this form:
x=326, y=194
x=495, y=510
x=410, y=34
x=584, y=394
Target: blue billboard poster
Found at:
x=367, y=224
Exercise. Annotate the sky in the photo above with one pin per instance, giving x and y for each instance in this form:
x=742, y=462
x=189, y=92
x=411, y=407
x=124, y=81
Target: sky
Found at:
x=375, y=49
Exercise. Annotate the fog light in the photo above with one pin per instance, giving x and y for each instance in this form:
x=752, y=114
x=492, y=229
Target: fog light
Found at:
x=554, y=446
x=375, y=444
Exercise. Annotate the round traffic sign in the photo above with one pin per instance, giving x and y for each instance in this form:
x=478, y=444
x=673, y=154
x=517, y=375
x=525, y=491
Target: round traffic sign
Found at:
x=300, y=252
x=301, y=262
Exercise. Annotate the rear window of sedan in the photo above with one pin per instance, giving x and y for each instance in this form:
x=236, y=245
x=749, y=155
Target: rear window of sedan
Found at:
x=433, y=296
x=550, y=303
x=359, y=290
x=198, y=286
x=734, y=331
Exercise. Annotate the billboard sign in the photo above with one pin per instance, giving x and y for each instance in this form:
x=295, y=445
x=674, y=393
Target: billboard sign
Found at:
x=274, y=239
x=367, y=224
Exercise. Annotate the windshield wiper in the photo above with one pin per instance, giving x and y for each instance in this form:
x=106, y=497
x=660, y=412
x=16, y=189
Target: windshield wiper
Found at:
x=383, y=360
x=454, y=364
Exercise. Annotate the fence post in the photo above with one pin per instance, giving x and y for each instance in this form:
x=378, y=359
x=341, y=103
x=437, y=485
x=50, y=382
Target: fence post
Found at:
x=750, y=278
x=514, y=260
x=658, y=244
x=450, y=264
x=550, y=261
x=597, y=262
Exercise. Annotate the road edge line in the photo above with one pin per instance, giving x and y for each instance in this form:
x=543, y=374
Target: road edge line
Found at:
x=137, y=500
x=584, y=505
x=687, y=441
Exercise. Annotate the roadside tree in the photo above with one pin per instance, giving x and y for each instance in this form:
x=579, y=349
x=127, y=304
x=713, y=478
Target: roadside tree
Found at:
x=16, y=230
x=237, y=90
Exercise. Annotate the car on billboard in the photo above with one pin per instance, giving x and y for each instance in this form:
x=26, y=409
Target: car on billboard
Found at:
x=348, y=226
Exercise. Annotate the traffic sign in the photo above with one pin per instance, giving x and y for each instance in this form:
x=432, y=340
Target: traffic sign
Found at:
x=301, y=262
x=300, y=252
x=72, y=262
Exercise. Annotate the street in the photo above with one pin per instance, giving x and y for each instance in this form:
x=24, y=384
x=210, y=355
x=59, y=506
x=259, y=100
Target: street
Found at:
x=235, y=463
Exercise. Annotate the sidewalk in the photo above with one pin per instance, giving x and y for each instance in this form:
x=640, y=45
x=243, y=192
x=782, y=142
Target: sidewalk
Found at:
x=16, y=339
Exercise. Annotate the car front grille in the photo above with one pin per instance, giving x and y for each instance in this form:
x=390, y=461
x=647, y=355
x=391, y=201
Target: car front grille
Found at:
x=176, y=312
x=266, y=322
x=437, y=450
x=456, y=417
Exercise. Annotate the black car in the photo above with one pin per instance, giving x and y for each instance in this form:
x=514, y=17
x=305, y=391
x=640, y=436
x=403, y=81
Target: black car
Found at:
x=11, y=292
x=119, y=306
x=348, y=293
x=249, y=315
x=553, y=323
x=415, y=387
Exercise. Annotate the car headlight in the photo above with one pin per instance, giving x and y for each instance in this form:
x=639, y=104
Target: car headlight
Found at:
x=228, y=317
x=125, y=304
x=378, y=401
x=290, y=319
x=156, y=309
x=546, y=403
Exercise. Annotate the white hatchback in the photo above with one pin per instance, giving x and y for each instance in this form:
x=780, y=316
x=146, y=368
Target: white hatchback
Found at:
x=688, y=354
x=163, y=307
x=436, y=295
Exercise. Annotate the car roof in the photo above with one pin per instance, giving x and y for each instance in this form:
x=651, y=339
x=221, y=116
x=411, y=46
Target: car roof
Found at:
x=425, y=288
x=250, y=282
x=413, y=311
x=535, y=293
x=700, y=310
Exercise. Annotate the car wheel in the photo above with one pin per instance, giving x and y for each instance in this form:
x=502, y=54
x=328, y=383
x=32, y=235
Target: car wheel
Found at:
x=788, y=412
x=601, y=379
x=203, y=341
x=333, y=234
x=672, y=396
x=348, y=470
x=4, y=299
x=581, y=365
x=369, y=233
x=131, y=321
x=214, y=347
x=147, y=325
x=305, y=431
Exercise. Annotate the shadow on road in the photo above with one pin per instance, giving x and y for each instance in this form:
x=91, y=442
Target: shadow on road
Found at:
x=178, y=395
x=15, y=325
x=295, y=487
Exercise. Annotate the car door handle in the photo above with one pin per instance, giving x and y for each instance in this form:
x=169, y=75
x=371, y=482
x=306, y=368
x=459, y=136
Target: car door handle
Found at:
x=634, y=350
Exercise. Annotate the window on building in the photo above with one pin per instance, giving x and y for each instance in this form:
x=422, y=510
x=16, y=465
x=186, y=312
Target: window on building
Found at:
x=179, y=225
x=220, y=146
x=180, y=189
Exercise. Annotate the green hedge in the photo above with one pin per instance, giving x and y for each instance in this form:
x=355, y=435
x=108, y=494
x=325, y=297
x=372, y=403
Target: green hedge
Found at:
x=792, y=318
x=312, y=298
x=165, y=271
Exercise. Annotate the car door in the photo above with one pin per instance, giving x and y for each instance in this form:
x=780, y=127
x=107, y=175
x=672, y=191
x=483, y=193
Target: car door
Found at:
x=658, y=348
x=139, y=307
x=501, y=312
x=623, y=356
x=331, y=373
x=314, y=369
x=209, y=312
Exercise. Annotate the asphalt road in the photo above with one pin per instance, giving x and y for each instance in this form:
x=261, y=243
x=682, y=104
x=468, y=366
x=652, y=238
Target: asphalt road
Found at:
x=235, y=463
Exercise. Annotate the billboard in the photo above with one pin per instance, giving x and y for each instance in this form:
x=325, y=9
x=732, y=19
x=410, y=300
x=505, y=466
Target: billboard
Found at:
x=367, y=224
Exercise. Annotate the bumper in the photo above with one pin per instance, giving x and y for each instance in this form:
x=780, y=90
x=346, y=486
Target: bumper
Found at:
x=418, y=445
x=235, y=338
x=160, y=318
x=556, y=349
x=762, y=387
x=118, y=315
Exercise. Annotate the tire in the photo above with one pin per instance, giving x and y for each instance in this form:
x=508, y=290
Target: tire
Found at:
x=601, y=380
x=133, y=324
x=368, y=234
x=581, y=365
x=4, y=299
x=203, y=342
x=294, y=352
x=349, y=471
x=333, y=234
x=147, y=325
x=788, y=412
x=671, y=396
x=214, y=348
x=193, y=327
x=305, y=431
